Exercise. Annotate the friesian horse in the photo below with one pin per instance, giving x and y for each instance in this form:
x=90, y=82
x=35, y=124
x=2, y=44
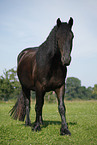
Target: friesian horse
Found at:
x=43, y=69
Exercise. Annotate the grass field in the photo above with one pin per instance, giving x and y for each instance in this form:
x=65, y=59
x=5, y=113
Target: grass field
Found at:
x=81, y=118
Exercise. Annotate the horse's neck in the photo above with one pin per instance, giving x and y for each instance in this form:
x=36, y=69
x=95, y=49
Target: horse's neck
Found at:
x=52, y=42
x=47, y=50
x=49, y=47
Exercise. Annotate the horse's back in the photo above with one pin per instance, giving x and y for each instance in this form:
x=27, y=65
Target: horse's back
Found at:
x=25, y=51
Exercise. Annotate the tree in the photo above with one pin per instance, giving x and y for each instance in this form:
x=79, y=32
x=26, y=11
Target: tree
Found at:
x=9, y=85
x=74, y=90
x=94, y=93
x=73, y=82
x=5, y=88
x=84, y=93
x=95, y=89
x=72, y=85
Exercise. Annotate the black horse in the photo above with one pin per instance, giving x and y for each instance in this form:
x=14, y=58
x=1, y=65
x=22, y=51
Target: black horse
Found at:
x=43, y=69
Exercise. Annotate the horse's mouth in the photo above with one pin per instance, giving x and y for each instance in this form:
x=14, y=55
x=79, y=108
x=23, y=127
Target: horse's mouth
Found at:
x=67, y=63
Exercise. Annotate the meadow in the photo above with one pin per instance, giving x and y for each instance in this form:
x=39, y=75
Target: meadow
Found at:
x=81, y=118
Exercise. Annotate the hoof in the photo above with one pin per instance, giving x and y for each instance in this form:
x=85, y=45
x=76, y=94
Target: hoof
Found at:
x=41, y=122
x=27, y=123
x=36, y=128
x=65, y=131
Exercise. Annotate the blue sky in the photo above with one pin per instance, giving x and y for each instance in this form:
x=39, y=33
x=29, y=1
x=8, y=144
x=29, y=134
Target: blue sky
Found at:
x=25, y=23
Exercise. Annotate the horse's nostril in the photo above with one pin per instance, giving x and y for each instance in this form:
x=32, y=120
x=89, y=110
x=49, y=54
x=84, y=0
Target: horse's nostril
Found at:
x=66, y=61
x=63, y=58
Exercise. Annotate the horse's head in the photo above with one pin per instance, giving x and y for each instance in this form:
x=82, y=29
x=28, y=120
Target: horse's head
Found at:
x=64, y=37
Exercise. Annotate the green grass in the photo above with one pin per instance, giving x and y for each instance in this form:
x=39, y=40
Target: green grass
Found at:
x=81, y=118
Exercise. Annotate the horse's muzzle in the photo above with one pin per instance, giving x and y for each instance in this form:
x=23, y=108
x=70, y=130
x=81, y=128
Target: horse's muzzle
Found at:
x=65, y=61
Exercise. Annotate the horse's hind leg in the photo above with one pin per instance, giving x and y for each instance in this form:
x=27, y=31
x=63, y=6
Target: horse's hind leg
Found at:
x=26, y=94
x=38, y=109
x=60, y=95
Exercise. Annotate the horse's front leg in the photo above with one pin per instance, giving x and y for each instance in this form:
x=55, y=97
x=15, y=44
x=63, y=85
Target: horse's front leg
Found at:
x=61, y=107
x=38, y=109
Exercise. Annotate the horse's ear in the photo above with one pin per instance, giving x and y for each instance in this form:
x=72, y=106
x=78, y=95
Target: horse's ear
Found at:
x=58, y=22
x=70, y=22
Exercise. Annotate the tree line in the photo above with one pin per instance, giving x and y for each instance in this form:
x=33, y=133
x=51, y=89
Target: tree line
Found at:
x=10, y=88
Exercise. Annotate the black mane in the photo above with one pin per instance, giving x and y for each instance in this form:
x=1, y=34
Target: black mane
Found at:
x=48, y=48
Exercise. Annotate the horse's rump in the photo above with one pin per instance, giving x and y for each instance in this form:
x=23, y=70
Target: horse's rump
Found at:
x=25, y=51
x=26, y=67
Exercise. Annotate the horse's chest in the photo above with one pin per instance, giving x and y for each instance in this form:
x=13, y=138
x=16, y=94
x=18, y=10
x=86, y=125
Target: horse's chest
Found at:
x=51, y=78
x=58, y=77
x=55, y=80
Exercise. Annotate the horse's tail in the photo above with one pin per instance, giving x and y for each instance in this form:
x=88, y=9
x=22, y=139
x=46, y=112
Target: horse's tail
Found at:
x=19, y=109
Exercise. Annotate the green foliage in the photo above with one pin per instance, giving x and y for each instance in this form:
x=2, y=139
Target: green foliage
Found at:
x=74, y=90
x=72, y=86
x=10, y=88
x=50, y=97
x=81, y=118
x=95, y=89
x=9, y=85
x=72, y=82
